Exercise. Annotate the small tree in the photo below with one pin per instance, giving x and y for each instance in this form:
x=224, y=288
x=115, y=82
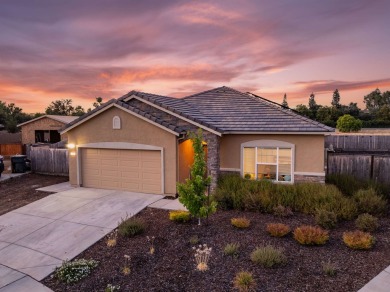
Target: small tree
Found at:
x=192, y=193
x=348, y=123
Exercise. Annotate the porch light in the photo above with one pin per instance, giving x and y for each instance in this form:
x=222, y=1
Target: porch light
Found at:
x=73, y=153
x=71, y=146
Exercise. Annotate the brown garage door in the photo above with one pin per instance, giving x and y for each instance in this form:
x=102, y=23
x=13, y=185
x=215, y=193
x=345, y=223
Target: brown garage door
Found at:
x=129, y=170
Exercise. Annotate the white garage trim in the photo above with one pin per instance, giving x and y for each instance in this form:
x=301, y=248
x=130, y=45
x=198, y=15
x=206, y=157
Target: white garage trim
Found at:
x=120, y=146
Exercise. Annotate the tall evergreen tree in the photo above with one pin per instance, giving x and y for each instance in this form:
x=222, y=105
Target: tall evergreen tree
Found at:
x=285, y=103
x=313, y=107
x=336, y=99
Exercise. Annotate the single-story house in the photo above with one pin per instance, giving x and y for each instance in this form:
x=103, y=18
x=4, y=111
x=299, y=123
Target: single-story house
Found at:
x=139, y=142
x=44, y=129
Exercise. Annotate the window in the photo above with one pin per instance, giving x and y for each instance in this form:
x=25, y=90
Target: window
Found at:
x=116, y=123
x=262, y=160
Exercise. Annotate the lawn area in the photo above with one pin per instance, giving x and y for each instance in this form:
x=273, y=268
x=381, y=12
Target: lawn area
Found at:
x=172, y=267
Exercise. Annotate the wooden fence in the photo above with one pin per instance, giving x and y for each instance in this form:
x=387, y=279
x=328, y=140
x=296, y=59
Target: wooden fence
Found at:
x=378, y=143
x=11, y=149
x=49, y=161
x=362, y=166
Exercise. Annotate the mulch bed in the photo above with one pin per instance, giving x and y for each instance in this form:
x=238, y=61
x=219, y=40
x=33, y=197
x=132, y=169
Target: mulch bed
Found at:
x=19, y=191
x=172, y=267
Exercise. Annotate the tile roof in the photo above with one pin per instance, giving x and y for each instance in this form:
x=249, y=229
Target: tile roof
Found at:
x=230, y=111
x=224, y=110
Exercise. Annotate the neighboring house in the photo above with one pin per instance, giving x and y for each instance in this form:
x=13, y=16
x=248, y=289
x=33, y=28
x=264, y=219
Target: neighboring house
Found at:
x=139, y=142
x=44, y=129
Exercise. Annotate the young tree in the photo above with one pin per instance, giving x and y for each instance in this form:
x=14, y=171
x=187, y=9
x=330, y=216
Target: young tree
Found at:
x=192, y=193
x=64, y=107
x=348, y=123
x=284, y=103
x=336, y=99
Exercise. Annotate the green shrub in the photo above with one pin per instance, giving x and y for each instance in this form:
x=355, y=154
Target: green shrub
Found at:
x=231, y=249
x=241, y=223
x=268, y=256
x=311, y=235
x=74, y=271
x=326, y=219
x=278, y=229
x=366, y=222
x=179, y=216
x=282, y=211
x=348, y=123
x=234, y=192
x=358, y=239
x=131, y=226
x=194, y=239
x=349, y=184
x=329, y=268
x=244, y=282
x=368, y=201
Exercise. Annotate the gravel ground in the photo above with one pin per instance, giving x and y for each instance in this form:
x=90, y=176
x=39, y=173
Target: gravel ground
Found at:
x=19, y=191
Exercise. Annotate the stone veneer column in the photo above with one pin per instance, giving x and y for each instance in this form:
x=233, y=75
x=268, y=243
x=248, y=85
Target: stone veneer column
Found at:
x=213, y=159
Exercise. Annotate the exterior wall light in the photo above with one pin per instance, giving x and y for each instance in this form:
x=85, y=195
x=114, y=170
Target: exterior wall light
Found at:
x=73, y=153
x=71, y=146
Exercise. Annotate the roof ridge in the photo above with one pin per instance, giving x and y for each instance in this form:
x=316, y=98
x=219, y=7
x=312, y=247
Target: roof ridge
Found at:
x=289, y=111
x=199, y=93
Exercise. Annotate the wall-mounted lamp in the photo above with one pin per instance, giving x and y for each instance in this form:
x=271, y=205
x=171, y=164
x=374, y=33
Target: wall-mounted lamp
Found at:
x=71, y=146
x=73, y=153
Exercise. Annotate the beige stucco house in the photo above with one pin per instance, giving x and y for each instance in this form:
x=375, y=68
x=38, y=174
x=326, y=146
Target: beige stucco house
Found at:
x=44, y=129
x=139, y=142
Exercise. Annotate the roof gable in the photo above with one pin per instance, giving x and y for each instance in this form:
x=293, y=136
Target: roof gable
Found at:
x=62, y=119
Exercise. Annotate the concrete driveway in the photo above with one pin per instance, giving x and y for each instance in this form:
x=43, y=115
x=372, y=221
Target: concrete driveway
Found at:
x=36, y=238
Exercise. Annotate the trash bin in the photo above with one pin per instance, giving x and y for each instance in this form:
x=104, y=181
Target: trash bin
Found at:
x=18, y=163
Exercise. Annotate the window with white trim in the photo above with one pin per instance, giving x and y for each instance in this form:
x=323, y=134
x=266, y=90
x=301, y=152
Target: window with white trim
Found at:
x=267, y=162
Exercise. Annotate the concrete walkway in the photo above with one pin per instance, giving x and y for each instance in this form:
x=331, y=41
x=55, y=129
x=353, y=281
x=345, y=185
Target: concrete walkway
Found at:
x=380, y=283
x=7, y=176
x=36, y=238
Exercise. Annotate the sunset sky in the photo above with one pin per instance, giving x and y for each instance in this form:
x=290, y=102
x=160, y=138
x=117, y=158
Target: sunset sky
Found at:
x=84, y=49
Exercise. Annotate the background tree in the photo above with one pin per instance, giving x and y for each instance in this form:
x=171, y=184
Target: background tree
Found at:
x=336, y=99
x=303, y=110
x=98, y=102
x=313, y=107
x=64, y=107
x=192, y=193
x=11, y=116
x=348, y=123
x=284, y=103
x=374, y=100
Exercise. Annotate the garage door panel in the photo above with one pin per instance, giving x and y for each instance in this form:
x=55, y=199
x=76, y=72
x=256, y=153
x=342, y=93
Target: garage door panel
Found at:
x=131, y=175
x=109, y=162
x=110, y=184
x=110, y=173
x=131, y=170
